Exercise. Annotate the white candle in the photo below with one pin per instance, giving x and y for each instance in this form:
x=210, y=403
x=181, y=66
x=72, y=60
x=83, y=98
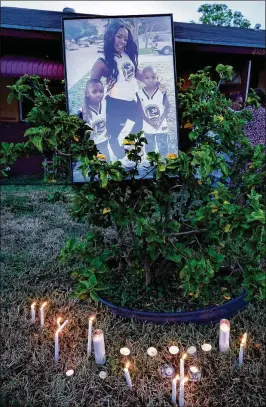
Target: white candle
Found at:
x=127, y=376
x=224, y=335
x=241, y=351
x=182, y=392
x=206, y=347
x=191, y=351
x=125, y=351
x=152, y=352
x=174, y=350
x=174, y=389
x=32, y=312
x=182, y=366
x=89, y=335
x=56, y=341
x=70, y=372
x=42, y=314
x=99, y=347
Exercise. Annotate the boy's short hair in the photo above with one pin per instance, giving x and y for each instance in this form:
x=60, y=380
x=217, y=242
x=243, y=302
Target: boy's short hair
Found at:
x=92, y=81
x=235, y=96
x=149, y=68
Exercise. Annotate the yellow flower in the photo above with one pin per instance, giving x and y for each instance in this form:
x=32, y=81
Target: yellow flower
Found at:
x=220, y=118
x=222, y=244
x=52, y=180
x=227, y=228
x=215, y=209
x=101, y=157
x=76, y=138
x=226, y=203
x=172, y=156
x=128, y=142
x=216, y=194
x=106, y=210
x=199, y=182
x=188, y=125
x=227, y=297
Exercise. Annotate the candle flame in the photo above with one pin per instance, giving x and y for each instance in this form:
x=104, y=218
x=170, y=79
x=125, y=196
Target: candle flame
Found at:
x=58, y=320
x=44, y=304
x=177, y=377
x=244, y=339
x=185, y=379
x=127, y=365
x=92, y=318
x=33, y=304
x=184, y=356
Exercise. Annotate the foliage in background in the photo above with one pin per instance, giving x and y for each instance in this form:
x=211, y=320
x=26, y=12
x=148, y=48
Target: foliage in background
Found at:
x=222, y=16
x=202, y=209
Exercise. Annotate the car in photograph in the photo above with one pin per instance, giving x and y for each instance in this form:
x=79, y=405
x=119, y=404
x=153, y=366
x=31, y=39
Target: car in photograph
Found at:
x=73, y=46
x=162, y=43
x=84, y=42
x=99, y=46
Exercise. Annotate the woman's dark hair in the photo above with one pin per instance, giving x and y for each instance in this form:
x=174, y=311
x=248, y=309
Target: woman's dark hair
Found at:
x=131, y=49
x=86, y=113
x=262, y=95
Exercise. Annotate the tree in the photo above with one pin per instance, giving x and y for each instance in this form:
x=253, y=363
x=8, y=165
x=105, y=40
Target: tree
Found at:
x=222, y=16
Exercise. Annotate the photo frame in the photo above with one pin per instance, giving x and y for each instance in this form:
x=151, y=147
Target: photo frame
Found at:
x=120, y=78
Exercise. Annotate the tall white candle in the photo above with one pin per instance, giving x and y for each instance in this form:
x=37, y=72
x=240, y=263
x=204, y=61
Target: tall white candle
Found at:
x=182, y=366
x=42, y=314
x=99, y=348
x=127, y=376
x=224, y=336
x=33, y=312
x=56, y=341
x=89, y=335
x=182, y=391
x=174, y=389
x=241, y=350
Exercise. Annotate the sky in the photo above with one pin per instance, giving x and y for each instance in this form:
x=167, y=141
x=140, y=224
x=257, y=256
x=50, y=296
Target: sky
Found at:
x=183, y=11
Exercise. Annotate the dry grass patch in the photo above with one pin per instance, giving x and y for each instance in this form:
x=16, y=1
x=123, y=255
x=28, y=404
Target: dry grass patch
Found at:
x=31, y=271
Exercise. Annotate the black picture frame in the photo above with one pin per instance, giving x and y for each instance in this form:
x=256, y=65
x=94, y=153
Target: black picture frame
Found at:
x=93, y=17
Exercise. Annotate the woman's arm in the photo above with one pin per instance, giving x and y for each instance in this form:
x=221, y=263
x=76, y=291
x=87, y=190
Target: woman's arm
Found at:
x=139, y=75
x=99, y=70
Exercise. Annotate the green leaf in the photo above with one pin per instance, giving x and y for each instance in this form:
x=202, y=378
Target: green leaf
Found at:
x=92, y=280
x=37, y=141
x=94, y=296
x=10, y=98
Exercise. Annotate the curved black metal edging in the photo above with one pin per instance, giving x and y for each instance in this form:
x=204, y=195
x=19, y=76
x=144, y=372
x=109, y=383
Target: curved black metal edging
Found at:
x=203, y=316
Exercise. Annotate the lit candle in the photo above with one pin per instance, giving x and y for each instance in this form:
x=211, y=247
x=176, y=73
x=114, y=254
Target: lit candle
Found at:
x=182, y=366
x=58, y=322
x=174, y=388
x=127, y=375
x=152, y=352
x=191, y=351
x=42, y=314
x=32, y=312
x=56, y=341
x=70, y=372
x=224, y=335
x=125, y=351
x=194, y=373
x=99, y=347
x=182, y=392
x=89, y=335
x=241, y=351
x=174, y=350
x=206, y=347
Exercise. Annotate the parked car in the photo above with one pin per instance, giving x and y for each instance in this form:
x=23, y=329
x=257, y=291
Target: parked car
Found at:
x=100, y=46
x=84, y=42
x=162, y=43
x=73, y=46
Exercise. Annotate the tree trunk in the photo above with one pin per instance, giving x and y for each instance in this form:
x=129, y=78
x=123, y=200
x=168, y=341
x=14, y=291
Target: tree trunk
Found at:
x=147, y=38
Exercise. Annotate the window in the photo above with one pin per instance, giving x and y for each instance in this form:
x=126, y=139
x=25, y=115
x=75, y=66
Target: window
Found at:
x=236, y=79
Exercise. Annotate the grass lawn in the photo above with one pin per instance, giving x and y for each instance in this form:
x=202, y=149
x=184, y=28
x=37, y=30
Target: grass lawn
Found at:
x=33, y=231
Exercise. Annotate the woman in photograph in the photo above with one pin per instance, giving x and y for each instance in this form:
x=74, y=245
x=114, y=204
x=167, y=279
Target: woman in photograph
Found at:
x=120, y=67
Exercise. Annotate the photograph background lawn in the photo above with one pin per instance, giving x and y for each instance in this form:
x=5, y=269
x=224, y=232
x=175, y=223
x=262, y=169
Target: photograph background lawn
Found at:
x=33, y=230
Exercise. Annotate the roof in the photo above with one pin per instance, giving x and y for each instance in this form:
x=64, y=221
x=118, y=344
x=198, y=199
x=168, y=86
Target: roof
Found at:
x=45, y=20
x=211, y=34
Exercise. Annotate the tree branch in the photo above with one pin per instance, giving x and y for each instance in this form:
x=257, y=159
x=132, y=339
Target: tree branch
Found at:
x=189, y=232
